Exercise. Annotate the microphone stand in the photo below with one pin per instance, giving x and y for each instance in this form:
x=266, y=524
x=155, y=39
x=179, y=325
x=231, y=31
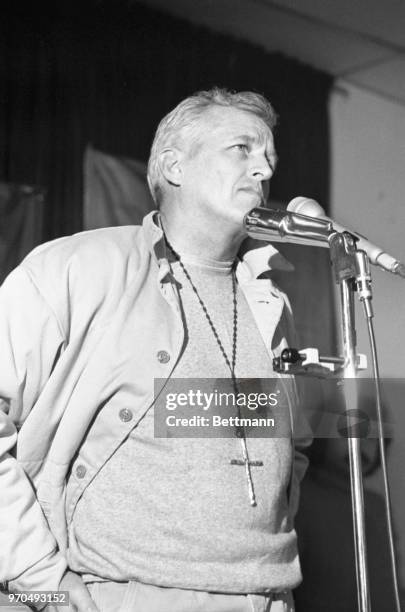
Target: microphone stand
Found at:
x=351, y=266
x=351, y=270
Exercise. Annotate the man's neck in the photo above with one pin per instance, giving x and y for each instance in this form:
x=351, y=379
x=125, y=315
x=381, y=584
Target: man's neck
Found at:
x=199, y=241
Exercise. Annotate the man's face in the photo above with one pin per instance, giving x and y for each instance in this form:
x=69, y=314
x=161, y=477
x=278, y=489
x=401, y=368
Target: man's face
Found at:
x=227, y=171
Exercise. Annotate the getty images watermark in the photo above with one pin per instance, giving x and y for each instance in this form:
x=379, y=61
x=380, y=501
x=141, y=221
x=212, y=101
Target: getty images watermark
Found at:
x=214, y=408
x=215, y=400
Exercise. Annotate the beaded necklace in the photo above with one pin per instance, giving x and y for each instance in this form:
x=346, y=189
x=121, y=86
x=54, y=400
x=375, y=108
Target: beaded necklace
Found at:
x=239, y=430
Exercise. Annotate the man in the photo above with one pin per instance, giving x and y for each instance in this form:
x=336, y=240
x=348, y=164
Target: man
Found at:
x=96, y=504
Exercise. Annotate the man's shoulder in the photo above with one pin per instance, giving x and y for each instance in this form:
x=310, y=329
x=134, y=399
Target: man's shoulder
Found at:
x=121, y=240
x=98, y=251
x=88, y=268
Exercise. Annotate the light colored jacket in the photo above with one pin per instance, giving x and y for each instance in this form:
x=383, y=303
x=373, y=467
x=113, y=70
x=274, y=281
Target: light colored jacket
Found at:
x=67, y=314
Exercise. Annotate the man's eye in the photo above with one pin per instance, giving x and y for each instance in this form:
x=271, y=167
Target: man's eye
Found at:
x=241, y=147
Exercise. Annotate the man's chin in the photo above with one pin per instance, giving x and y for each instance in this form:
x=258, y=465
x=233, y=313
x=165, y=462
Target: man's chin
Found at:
x=238, y=218
x=248, y=206
x=251, y=200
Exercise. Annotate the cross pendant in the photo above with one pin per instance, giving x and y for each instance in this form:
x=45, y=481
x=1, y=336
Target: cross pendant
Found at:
x=248, y=464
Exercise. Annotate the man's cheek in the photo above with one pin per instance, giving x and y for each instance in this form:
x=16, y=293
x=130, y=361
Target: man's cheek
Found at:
x=266, y=190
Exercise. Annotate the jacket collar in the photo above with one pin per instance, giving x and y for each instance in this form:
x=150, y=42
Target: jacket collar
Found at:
x=251, y=264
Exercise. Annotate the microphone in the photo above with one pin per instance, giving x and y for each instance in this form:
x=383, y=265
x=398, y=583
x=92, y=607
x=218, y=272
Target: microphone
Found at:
x=376, y=255
x=283, y=226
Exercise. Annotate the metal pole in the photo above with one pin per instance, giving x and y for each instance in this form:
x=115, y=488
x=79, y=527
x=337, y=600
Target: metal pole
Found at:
x=344, y=262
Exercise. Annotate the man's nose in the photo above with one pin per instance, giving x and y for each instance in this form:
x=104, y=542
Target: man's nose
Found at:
x=261, y=170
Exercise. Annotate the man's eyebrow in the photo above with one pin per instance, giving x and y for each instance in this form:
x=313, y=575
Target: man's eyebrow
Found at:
x=245, y=137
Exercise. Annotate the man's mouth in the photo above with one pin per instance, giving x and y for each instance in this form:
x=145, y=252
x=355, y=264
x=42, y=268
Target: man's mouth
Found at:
x=253, y=191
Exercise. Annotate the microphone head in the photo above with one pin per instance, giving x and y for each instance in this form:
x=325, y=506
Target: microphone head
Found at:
x=306, y=206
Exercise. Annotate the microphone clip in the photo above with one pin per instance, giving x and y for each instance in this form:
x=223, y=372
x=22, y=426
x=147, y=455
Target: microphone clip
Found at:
x=309, y=362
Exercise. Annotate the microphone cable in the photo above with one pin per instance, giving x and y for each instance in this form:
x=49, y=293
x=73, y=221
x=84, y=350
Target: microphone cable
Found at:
x=387, y=498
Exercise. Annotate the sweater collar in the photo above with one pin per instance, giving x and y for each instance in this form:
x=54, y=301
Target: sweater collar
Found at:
x=251, y=264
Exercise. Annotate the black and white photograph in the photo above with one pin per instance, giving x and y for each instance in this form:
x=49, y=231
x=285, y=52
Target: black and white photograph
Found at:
x=202, y=321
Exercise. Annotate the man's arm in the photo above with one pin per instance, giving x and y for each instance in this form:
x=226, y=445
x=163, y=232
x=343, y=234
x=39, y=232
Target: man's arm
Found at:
x=30, y=338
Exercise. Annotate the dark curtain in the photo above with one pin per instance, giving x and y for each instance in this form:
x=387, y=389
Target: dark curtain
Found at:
x=21, y=218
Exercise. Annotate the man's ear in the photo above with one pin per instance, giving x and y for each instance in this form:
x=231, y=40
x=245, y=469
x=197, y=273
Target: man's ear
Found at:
x=170, y=165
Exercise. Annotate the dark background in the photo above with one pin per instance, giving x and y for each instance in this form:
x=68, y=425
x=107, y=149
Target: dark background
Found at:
x=107, y=72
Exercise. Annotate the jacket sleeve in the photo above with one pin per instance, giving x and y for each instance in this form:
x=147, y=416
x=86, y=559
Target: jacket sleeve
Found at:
x=30, y=340
x=301, y=430
x=302, y=439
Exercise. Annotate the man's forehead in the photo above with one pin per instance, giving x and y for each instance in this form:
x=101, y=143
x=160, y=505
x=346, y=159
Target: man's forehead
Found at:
x=232, y=121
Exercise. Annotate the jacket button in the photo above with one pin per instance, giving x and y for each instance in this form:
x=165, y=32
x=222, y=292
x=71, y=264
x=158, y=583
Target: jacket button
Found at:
x=163, y=356
x=81, y=471
x=125, y=415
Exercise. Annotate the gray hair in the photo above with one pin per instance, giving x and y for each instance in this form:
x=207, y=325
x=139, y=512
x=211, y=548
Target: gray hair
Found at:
x=181, y=125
